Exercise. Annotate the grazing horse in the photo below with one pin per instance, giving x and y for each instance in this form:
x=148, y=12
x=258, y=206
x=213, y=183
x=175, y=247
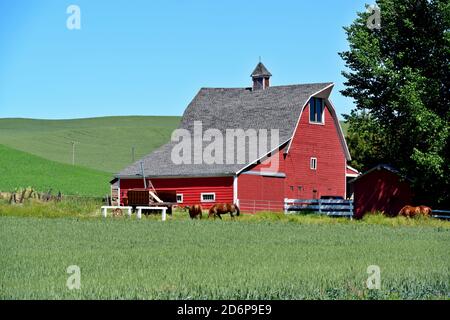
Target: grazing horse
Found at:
x=195, y=211
x=425, y=211
x=222, y=208
x=410, y=211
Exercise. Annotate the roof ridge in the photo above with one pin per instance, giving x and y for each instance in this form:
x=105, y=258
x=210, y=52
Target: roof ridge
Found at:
x=279, y=86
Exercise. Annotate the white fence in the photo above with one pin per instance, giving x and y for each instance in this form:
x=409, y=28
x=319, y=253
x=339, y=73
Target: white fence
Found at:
x=330, y=207
x=254, y=206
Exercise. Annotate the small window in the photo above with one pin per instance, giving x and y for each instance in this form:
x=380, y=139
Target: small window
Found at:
x=313, y=163
x=179, y=198
x=292, y=188
x=316, y=110
x=208, y=197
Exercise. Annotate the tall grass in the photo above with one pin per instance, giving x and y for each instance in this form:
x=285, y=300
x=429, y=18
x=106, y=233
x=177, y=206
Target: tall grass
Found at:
x=68, y=207
x=86, y=207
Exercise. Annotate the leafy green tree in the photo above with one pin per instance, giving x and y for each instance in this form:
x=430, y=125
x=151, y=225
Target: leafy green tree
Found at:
x=399, y=78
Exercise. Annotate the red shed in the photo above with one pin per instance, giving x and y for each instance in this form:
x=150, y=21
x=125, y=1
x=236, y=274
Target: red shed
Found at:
x=381, y=189
x=307, y=160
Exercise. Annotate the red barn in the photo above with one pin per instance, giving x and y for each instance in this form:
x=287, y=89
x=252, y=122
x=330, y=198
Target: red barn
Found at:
x=381, y=189
x=308, y=160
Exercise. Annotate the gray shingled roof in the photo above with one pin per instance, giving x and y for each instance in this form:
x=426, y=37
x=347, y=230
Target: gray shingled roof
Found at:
x=276, y=107
x=260, y=71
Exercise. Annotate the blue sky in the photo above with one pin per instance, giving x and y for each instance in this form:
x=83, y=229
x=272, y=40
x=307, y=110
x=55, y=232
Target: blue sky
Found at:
x=151, y=57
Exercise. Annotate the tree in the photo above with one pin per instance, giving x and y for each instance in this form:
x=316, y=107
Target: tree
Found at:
x=399, y=78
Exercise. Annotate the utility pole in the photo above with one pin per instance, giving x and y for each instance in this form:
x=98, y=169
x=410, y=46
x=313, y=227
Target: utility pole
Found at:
x=73, y=152
x=143, y=174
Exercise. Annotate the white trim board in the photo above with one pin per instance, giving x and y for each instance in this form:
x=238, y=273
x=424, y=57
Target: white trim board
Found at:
x=205, y=193
x=266, y=174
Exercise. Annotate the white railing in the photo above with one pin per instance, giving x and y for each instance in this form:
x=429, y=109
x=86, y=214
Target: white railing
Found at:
x=139, y=210
x=330, y=207
x=105, y=210
x=163, y=211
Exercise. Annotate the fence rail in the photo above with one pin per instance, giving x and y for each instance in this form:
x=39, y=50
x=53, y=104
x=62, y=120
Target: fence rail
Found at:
x=441, y=214
x=254, y=206
x=330, y=207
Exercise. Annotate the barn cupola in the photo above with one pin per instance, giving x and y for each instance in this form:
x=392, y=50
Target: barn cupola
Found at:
x=260, y=77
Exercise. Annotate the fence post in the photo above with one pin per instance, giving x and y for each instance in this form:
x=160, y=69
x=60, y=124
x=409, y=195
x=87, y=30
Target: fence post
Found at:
x=285, y=206
x=320, y=206
x=164, y=214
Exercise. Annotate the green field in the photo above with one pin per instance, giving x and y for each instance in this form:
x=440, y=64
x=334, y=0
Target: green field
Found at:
x=102, y=143
x=20, y=169
x=246, y=259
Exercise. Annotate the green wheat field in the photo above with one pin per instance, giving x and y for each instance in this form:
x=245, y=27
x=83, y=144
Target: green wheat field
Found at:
x=256, y=257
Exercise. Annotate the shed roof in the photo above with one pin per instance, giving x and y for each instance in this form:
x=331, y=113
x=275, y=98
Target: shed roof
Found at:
x=378, y=167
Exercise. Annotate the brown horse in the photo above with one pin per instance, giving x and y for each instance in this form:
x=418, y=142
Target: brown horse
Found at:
x=410, y=211
x=223, y=208
x=195, y=211
x=425, y=211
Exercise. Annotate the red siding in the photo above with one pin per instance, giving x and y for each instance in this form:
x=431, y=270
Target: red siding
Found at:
x=380, y=190
x=191, y=188
x=260, y=193
x=322, y=142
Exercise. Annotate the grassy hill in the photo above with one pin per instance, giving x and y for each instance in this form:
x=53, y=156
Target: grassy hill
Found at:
x=102, y=143
x=21, y=169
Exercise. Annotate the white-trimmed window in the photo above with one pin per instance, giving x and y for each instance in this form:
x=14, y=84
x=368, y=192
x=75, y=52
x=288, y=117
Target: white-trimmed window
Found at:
x=179, y=198
x=316, y=107
x=313, y=163
x=208, y=197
